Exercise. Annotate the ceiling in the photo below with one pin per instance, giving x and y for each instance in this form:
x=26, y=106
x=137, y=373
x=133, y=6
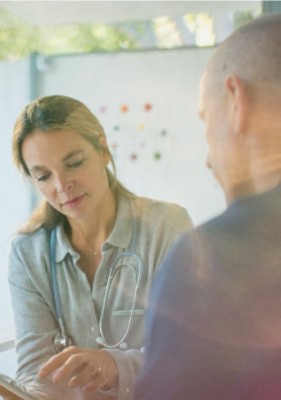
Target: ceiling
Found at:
x=46, y=13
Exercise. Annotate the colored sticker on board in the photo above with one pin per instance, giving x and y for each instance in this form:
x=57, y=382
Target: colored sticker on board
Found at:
x=133, y=156
x=141, y=127
x=103, y=109
x=157, y=155
x=147, y=107
x=163, y=132
x=124, y=108
x=116, y=128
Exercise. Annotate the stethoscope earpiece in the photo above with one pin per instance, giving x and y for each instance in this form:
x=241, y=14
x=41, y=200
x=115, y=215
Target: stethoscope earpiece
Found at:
x=123, y=346
x=99, y=340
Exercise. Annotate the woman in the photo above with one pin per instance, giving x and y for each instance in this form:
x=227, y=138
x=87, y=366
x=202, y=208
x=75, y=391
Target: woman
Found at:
x=106, y=246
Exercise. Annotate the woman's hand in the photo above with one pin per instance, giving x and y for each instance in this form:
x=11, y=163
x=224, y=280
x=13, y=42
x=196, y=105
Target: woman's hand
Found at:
x=88, y=369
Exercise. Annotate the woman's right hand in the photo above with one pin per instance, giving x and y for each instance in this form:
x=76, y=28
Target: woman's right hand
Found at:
x=87, y=369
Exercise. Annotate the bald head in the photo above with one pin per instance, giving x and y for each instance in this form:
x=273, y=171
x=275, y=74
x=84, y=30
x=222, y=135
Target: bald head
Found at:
x=240, y=97
x=253, y=53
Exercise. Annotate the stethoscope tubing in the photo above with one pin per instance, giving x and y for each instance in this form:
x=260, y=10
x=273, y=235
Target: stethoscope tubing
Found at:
x=114, y=268
x=138, y=268
x=54, y=280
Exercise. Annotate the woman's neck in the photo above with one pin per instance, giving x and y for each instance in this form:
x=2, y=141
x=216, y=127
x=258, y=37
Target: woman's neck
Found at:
x=90, y=233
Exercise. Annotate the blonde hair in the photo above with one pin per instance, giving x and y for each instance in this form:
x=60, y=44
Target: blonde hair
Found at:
x=59, y=113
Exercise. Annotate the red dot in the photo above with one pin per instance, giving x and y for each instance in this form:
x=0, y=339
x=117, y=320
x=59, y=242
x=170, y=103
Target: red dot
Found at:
x=124, y=108
x=147, y=107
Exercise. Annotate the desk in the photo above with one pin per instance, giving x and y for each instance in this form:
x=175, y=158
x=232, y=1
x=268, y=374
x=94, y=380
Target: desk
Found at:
x=6, y=336
x=8, y=357
x=7, y=345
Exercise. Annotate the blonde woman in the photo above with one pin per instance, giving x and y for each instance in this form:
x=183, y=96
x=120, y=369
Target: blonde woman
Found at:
x=79, y=303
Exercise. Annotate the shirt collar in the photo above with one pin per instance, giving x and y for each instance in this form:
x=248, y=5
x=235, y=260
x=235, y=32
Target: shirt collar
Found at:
x=120, y=236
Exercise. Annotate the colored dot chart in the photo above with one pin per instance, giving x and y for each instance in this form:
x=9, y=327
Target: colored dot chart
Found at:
x=134, y=132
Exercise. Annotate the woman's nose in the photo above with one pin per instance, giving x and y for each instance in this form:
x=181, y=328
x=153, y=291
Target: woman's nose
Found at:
x=62, y=183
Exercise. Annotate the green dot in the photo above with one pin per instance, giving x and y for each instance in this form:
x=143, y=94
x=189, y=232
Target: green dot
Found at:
x=157, y=155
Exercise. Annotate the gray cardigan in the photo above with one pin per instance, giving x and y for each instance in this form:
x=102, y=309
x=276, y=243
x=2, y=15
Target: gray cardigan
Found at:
x=158, y=224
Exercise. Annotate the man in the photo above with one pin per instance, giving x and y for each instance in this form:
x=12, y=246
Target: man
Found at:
x=214, y=321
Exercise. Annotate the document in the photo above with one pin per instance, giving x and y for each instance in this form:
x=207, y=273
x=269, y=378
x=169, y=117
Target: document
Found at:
x=10, y=391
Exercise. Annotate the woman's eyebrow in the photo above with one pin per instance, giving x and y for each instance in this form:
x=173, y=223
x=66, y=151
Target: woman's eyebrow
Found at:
x=38, y=168
x=71, y=154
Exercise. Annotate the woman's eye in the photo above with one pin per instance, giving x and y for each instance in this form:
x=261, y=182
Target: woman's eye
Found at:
x=75, y=164
x=42, y=178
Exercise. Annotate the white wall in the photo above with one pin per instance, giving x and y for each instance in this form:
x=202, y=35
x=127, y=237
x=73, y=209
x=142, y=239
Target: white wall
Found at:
x=14, y=196
x=168, y=80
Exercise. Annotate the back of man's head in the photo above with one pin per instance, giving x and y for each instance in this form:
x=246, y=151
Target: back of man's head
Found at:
x=240, y=100
x=253, y=52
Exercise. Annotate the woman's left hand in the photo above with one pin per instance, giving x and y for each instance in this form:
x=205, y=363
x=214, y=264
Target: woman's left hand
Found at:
x=89, y=369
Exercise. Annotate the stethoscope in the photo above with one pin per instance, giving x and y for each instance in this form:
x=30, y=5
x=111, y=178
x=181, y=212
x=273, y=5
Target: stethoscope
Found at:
x=62, y=339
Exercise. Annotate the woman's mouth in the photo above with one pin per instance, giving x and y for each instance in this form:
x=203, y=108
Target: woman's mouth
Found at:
x=73, y=202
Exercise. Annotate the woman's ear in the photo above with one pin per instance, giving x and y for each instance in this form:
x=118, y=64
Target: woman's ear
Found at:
x=237, y=103
x=104, y=150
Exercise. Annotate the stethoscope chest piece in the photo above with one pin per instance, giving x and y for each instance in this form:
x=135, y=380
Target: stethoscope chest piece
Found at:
x=61, y=341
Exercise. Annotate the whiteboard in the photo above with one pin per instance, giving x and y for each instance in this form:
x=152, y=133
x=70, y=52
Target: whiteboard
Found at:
x=14, y=193
x=147, y=102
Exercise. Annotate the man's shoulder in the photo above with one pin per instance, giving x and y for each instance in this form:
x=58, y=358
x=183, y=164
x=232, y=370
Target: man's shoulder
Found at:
x=160, y=208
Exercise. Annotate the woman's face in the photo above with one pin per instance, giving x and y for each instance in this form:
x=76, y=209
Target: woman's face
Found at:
x=68, y=171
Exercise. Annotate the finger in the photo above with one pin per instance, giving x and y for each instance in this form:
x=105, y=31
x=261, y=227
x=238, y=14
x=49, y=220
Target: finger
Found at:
x=55, y=362
x=86, y=376
x=98, y=383
x=73, y=366
x=50, y=366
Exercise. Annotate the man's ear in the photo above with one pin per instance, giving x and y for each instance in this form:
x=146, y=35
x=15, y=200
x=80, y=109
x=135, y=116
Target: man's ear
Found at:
x=237, y=103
